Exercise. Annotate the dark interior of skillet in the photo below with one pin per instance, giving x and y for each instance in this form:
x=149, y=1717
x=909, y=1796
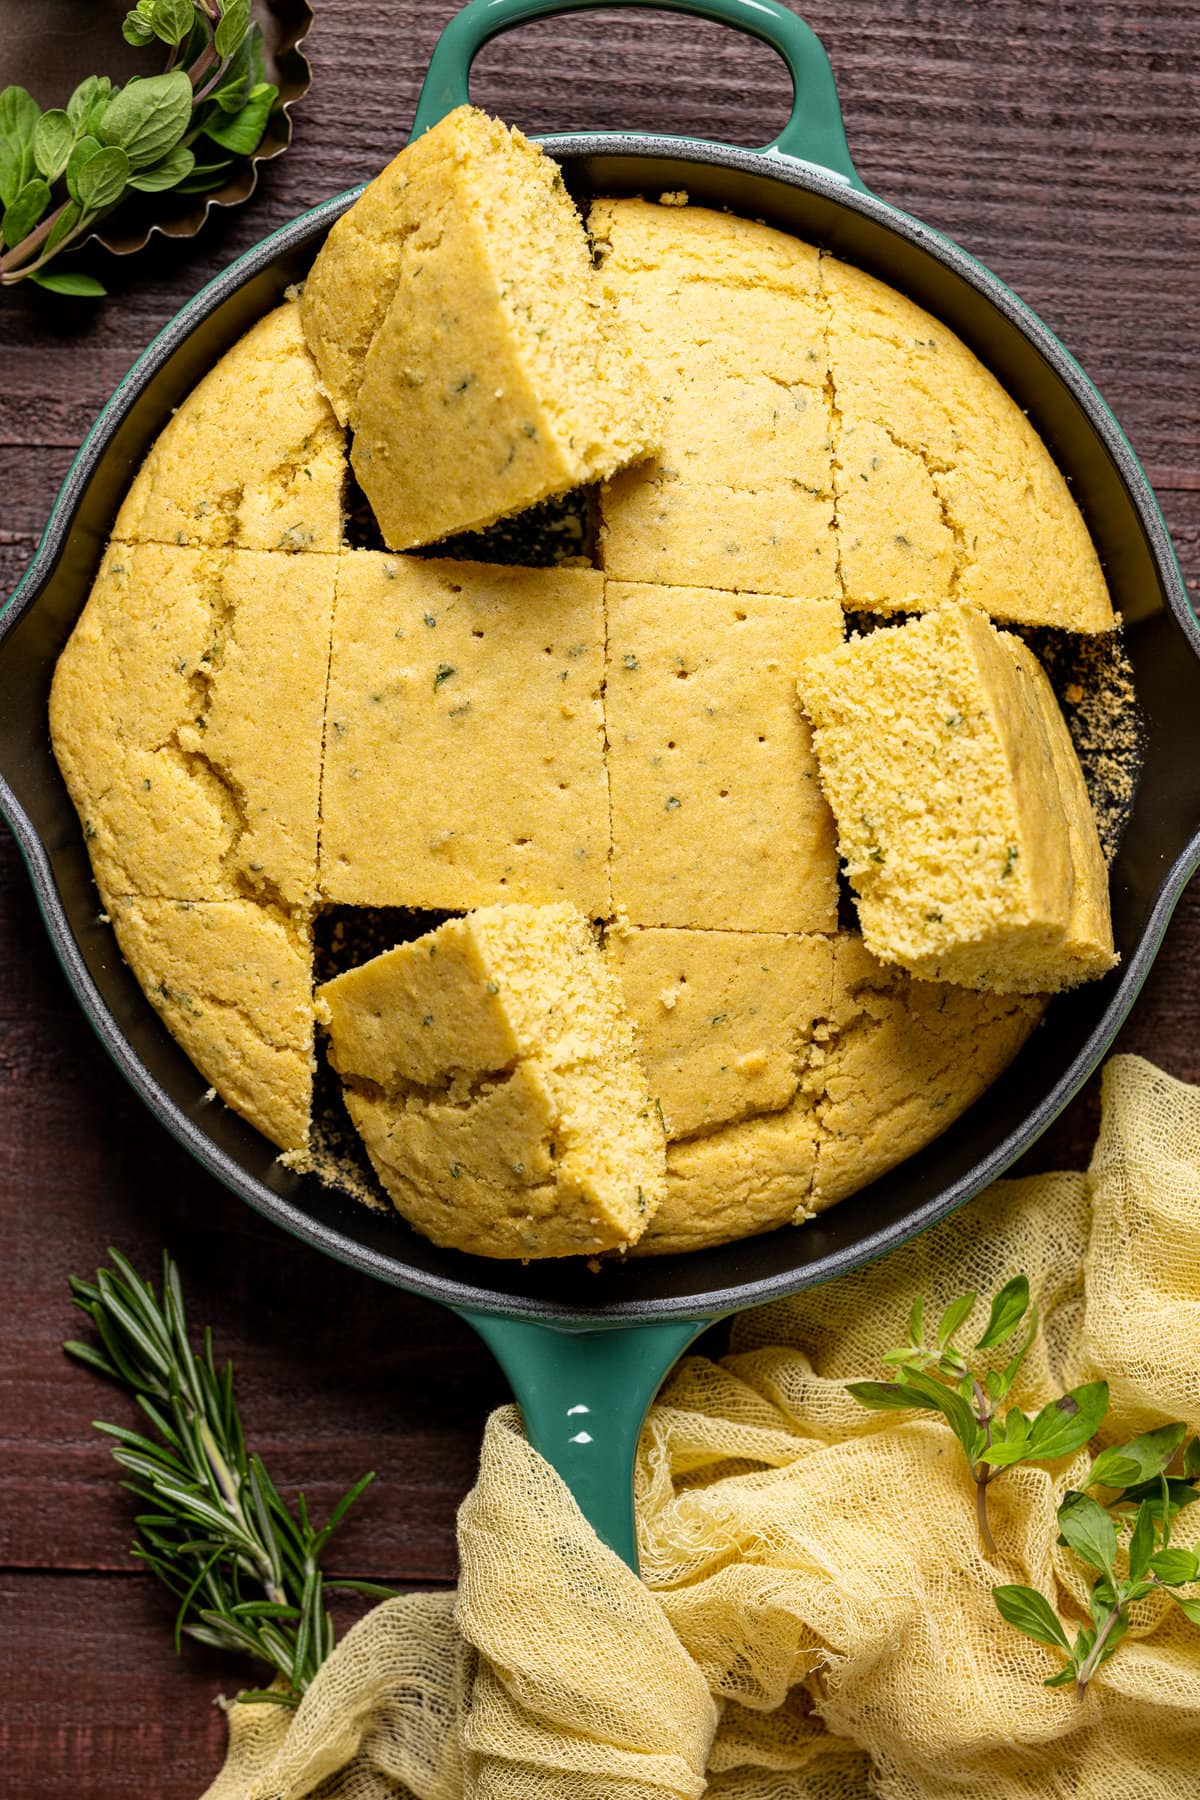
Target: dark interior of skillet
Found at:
x=1164, y=819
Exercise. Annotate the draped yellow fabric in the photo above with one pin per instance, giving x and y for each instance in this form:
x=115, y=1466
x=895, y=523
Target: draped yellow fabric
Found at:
x=814, y=1620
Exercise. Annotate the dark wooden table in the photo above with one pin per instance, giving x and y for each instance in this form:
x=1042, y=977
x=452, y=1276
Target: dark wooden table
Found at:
x=1057, y=142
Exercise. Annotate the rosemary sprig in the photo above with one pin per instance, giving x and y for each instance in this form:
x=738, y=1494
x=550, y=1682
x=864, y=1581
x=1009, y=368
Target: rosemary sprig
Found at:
x=247, y=1572
x=63, y=169
x=1145, y=1498
x=940, y=1378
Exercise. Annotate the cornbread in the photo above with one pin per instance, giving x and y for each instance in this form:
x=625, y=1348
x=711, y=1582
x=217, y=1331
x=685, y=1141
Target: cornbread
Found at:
x=723, y=1019
x=232, y=982
x=885, y=1068
x=491, y=1072
x=464, y=751
x=960, y=806
x=902, y=1060
x=1021, y=547
x=462, y=332
x=254, y=456
x=718, y=820
x=728, y=317
x=165, y=718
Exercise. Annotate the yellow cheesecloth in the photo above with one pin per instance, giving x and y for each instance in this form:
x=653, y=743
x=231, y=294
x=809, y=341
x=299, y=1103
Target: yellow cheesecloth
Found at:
x=815, y=1618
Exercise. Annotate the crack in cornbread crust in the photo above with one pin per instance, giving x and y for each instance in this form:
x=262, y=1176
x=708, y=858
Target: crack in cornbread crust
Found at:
x=491, y=1072
x=252, y=458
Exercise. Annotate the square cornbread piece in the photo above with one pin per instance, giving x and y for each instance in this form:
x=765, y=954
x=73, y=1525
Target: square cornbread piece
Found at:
x=254, y=456
x=186, y=715
x=728, y=316
x=232, y=982
x=475, y=353
x=490, y=1069
x=464, y=757
x=723, y=1019
x=717, y=814
x=1023, y=552
x=947, y=780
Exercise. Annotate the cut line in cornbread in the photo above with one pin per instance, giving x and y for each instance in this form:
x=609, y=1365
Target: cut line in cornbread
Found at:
x=232, y=982
x=462, y=332
x=960, y=806
x=164, y=714
x=723, y=1019
x=254, y=456
x=967, y=467
x=728, y=317
x=490, y=1070
x=717, y=814
x=464, y=745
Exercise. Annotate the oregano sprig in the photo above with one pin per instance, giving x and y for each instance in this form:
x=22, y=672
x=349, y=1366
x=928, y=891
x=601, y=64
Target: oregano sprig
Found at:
x=940, y=1378
x=1143, y=1498
x=246, y=1570
x=181, y=130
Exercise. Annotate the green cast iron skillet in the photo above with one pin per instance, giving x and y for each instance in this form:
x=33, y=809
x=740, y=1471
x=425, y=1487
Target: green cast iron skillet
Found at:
x=584, y=1385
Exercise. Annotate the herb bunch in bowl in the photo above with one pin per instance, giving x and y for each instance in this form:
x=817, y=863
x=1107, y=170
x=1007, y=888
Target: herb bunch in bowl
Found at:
x=180, y=130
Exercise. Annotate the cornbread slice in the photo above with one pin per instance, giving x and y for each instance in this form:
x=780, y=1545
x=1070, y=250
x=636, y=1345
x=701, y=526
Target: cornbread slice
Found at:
x=461, y=330
x=1024, y=553
x=491, y=1072
x=896, y=550
x=165, y=718
x=903, y=1059
x=728, y=316
x=887, y=1066
x=464, y=759
x=232, y=983
x=960, y=806
x=253, y=457
x=723, y=1019
x=718, y=820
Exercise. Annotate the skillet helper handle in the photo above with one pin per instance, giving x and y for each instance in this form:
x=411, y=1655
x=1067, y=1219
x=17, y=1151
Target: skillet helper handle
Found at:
x=583, y=1396
x=813, y=134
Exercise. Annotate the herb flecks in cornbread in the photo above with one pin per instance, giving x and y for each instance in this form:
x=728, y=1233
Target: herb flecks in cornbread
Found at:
x=254, y=456
x=463, y=333
x=490, y=1070
x=1021, y=548
x=901, y=1060
x=165, y=717
x=232, y=982
x=728, y=316
x=723, y=1018
x=960, y=806
x=717, y=813
x=464, y=744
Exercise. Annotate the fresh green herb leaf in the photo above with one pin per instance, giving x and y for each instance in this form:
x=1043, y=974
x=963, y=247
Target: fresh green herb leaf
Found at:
x=92, y=95
x=1175, y=1568
x=1067, y=1424
x=242, y=132
x=148, y=117
x=235, y=22
x=62, y=281
x=25, y=211
x=102, y=179
x=886, y=1396
x=175, y=167
x=1031, y=1613
x=52, y=143
x=137, y=30
x=1190, y=1608
x=81, y=155
x=953, y=1317
x=19, y=115
x=1008, y=1309
x=1089, y=1531
x=1142, y=1459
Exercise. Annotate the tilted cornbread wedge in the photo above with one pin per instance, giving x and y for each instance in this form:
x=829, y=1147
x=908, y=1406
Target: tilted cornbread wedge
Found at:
x=165, y=718
x=254, y=456
x=462, y=332
x=960, y=806
x=490, y=1069
x=232, y=982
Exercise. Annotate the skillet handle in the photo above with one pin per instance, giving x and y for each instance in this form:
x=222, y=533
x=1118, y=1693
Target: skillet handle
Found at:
x=813, y=134
x=583, y=1396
